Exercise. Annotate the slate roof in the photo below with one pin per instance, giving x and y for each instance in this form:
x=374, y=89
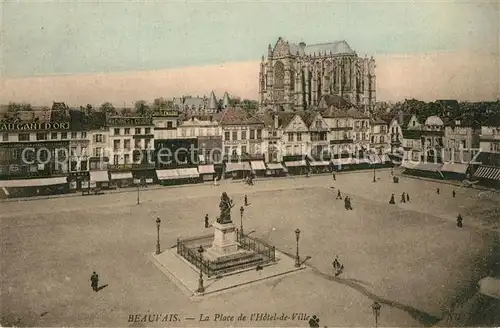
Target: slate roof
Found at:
x=225, y=100
x=337, y=101
x=238, y=116
x=212, y=101
x=335, y=48
x=334, y=112
x=411, y=134
x=378, y=121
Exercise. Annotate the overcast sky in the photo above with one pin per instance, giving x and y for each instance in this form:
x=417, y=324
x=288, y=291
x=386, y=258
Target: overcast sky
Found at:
x=42, y=39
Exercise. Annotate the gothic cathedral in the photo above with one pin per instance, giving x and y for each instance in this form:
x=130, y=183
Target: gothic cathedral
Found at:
x=296, y=77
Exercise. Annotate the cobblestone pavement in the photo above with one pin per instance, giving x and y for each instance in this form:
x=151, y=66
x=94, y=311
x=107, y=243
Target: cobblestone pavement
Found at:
x=411, y=256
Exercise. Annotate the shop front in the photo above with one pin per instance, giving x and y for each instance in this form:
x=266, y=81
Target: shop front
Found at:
x=235, y=171
x=78, y=180
x=295, y=165
x=99, y=179
x=29, y=187
x=258, y=167
x=275, y=170
x=207, y=172
x=167, y=177
x=187, y=175
x=121, y=179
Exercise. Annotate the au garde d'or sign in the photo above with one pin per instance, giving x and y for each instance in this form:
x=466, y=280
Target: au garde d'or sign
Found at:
x=33, y=126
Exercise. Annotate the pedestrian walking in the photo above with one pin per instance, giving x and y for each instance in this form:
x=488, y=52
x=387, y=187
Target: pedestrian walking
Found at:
x=94, y=281
x=454, y=193
x=392, y=201
x=339, y=195
x=459, y=221
x=246, y=200
x=206, y=221
x=407, y=198
x=437, y=191
x=348, y=203
x=403, y=198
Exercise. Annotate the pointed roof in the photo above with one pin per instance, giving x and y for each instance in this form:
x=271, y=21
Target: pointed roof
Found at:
x=212, y=101
x=225, y=100
x=238, y=116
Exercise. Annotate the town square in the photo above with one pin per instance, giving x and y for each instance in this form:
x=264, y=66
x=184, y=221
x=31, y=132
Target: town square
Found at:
x=250, y=164
x=409, y=256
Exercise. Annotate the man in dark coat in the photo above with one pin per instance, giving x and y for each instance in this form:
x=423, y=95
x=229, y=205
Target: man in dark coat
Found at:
x=403, y=198
x=437, y=191
x=454, y=193
x=392, y=201
x=246, y=200
x=334, y=178
x=94, y=281
x=206, y=221
x=407, y=198
x=459, y=221
x=339, y=195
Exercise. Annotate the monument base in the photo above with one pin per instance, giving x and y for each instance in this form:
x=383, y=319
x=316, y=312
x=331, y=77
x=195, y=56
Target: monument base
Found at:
x=225, y=239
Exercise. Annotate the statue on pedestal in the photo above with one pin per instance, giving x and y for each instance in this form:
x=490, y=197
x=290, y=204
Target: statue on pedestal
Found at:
x=225, y=205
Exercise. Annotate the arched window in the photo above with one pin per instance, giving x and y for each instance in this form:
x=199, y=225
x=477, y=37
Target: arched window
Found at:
x=279, y=75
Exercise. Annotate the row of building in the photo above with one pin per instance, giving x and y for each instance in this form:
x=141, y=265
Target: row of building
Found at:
x=82, y=150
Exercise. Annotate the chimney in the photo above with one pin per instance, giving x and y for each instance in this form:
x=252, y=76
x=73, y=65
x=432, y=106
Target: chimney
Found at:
x=276, y=121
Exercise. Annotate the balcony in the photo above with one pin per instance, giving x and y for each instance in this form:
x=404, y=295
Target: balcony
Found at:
x=341, y=141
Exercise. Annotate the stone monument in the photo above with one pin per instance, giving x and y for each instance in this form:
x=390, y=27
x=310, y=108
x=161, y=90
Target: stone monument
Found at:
x=225, y=239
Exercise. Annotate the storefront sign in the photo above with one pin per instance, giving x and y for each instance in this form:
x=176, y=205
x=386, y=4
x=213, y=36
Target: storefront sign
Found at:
x=33, y=126
x=166, y=113
x=129, y=121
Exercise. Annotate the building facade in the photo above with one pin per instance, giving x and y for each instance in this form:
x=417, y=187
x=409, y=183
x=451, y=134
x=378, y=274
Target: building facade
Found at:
x=296, y=76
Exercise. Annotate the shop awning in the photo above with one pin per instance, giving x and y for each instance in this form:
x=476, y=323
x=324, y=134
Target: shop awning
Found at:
x=206, y=169
x=409, y=165
x=258, y=165
x=231, y=167
x=319, y=163
x=275, y=166
x=121, y=175
x=296, y=163
x=490, y=286
x=166, y=174
x=32, y=182
x=187, y=173
x=454, y=167
x=488, y=172
x=343, y=161
x=431, y=167
x=99, y=176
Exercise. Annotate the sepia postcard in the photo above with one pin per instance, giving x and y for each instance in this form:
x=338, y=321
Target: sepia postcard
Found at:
x=250, y=163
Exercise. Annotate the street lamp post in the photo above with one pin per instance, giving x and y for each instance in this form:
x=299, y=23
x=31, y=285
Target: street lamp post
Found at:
x=374, y=178
x=376, y=311
x=137, y=194
x=200, y=289
x=297, y=257
x=158, y=221
x=241, y=219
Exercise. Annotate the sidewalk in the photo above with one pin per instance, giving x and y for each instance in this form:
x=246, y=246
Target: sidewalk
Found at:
x=158, y=187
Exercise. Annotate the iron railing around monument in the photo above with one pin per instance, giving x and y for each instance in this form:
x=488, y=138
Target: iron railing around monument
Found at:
x=257, y=246
x=193, y=257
